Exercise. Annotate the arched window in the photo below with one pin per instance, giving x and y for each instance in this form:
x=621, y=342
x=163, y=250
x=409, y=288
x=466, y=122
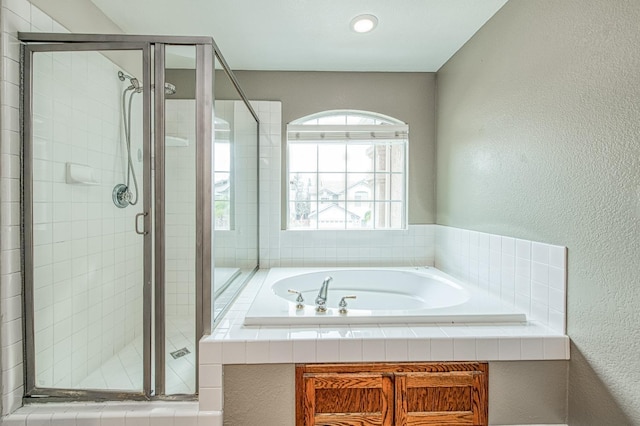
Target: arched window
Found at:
x=347, y=169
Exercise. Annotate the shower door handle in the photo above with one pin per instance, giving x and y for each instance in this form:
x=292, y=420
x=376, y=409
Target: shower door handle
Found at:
x=143, y=232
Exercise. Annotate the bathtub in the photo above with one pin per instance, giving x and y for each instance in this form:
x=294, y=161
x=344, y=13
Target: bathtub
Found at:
x=382, y=296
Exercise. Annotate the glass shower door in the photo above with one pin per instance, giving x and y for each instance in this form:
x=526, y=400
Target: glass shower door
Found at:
x=87, y=211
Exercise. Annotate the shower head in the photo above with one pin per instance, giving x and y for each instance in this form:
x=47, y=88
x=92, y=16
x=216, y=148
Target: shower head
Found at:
x=136, y=86
x=135, y=83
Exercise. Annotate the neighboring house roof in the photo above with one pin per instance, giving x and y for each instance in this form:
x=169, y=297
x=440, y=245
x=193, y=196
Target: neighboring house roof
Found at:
x=363, y=182
x=335, y=206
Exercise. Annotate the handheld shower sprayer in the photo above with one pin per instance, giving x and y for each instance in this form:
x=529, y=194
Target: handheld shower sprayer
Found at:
x=122, y=195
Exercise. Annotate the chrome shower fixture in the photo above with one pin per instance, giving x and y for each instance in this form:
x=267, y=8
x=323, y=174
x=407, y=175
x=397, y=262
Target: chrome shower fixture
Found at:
x=169, y=89
x=135, y=83
x=122, y=194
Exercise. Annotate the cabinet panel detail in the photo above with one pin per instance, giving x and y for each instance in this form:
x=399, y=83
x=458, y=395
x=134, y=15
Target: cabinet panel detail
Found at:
x=392, y=394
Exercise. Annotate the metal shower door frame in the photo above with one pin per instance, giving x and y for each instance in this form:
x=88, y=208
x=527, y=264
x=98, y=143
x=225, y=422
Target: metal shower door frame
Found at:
x=154, y=239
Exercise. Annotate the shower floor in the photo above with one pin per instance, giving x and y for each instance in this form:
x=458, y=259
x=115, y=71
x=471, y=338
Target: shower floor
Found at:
x=123, y=371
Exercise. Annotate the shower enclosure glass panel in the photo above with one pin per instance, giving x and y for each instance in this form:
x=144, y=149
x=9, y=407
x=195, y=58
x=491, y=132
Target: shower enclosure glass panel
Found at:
x=87, y=188
x=235, y=191
x=180, y=220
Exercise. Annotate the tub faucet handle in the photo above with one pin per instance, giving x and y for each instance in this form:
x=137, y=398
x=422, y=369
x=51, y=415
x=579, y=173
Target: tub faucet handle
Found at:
x=343, y=304
x=299, y=299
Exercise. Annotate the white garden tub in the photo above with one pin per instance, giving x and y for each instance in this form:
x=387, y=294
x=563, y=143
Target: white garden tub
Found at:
x=383, y=296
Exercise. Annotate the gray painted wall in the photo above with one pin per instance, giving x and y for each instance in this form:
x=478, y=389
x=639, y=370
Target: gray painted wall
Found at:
x=409, y=97
x=539, y=138
x=524, y=392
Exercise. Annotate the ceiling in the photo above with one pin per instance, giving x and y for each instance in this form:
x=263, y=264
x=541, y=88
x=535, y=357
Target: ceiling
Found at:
x=306, y=35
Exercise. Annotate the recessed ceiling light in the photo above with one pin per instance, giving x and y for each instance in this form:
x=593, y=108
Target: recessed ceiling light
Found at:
x=364, y=23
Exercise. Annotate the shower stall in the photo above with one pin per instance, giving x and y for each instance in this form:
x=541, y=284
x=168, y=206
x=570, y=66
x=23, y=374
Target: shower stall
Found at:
x=132, y=180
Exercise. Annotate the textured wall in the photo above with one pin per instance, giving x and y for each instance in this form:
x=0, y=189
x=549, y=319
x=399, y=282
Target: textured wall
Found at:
x=538, y=127
x=409, y=97
x=524, y=392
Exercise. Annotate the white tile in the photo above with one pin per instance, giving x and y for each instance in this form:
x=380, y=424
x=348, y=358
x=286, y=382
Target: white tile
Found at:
x=350, y=350
x=418, y=350
x=234, y=353
x=464, y=349
x=211, y=399
x=523, y=249
x=441, y=349
x=137, y=418
x=558, y=257
x=509, y=349
x=555, y=348
x=304, y=351
x=15, y=420
x=327, y=350
x=373, y=350
x=532, y=348
x=280, y=352
x=540, y=272
x=209, y=419
x=487, y=349
x=557, y=278
x=210, y=375
x=557, y=321
x=211, y=352
x=396, y=349
x=540, y=252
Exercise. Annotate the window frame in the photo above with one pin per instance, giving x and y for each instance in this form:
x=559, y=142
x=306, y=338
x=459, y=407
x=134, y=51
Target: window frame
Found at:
x=383, y=125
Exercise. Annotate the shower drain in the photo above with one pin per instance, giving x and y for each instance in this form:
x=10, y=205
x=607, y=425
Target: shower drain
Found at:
x=180, y=353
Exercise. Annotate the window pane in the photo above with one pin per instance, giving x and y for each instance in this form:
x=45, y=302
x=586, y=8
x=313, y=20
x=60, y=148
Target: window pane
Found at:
x=223, y=214
x=333, y=119
x=359, y=215
x=396, y=218
x=382, y=158
x=360, y=186
x=397, y=187
x=348, y=183
x=383, y=186
x=360, y=119
x=302, y=215
x=388, y=215
x=331, y=187
x=302, y=187
x=303, y=157
x=397, y=158
x=331, y=157
x=360, y=158
x=222, y=156
x=334, y=216
x=221, y=186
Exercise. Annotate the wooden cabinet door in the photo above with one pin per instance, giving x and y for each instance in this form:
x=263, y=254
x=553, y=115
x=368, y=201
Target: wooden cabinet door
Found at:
x=351, y=399
x=392, y=394
x=441, y=398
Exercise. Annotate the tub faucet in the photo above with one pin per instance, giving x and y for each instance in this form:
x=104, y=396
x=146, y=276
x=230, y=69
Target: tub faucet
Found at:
x=321, y=300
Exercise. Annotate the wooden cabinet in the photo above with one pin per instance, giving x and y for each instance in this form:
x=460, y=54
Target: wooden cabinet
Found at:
x=392, y=394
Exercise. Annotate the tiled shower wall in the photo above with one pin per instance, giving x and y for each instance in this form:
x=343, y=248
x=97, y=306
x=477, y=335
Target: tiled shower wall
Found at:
x=236, y=248
x=526, y=274
x=180, y=194
x=87, y=257
x=16, y=15
x=414, y=246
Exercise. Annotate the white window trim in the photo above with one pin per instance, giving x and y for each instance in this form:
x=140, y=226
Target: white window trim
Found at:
x=387, y=134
